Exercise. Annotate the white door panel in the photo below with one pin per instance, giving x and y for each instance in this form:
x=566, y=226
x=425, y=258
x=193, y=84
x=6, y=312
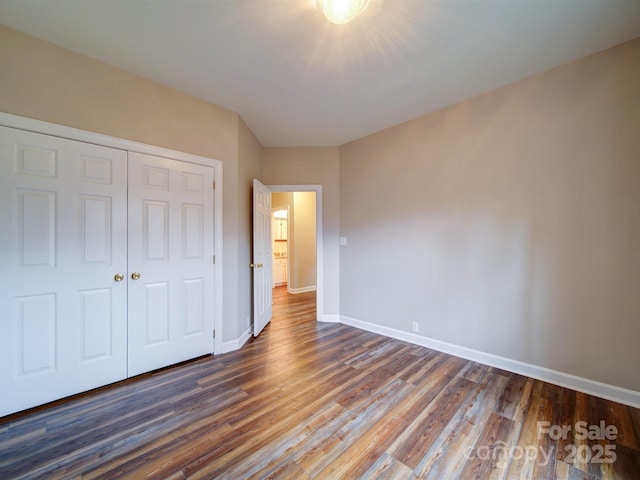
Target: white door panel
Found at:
x=171, y=309
x=63, y=225
x=262, y=257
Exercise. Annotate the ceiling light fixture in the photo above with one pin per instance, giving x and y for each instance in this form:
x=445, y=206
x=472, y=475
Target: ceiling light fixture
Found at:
x=341, y=11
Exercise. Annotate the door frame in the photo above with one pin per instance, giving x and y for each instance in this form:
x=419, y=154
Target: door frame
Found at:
x=319, y=245
x=38, y=126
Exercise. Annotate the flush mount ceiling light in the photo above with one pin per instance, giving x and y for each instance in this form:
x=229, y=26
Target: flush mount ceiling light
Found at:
x=341, y=11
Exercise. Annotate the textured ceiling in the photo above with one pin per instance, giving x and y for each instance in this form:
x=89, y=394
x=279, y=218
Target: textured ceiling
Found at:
x=298, y=80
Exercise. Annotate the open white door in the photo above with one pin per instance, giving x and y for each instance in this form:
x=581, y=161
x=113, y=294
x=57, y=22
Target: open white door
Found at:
x=262, y=257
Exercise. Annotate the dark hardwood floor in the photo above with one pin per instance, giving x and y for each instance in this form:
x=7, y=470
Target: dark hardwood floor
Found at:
x=308, y=400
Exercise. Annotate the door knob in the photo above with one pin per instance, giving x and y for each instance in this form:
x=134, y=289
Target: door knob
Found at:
x=118, y=277
x=253, y=265
x=135, y=275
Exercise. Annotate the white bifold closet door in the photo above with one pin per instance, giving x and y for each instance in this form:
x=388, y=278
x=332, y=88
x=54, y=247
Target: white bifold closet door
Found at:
x=106, y=266
x=171, y=306
x=63, y=221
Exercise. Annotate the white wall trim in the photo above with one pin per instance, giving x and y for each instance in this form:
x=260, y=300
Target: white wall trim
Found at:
x=246, y=335
x=236, y=343
x=296, y=291
x=585, y=385
x=38, y=126
x=52, y=129
x=230, y=346
x=319, y=239
x=330, y=318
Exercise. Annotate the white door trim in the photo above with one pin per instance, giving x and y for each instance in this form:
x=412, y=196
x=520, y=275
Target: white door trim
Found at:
x=70, y=133
x=319, y=248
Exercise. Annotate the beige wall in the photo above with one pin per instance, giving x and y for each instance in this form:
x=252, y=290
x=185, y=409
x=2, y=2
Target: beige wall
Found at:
x=302, y=256
x=249, y=167
x=314, y=166
x=509, y=223
x=281, y=200
x=46, y=82
x=42, y=81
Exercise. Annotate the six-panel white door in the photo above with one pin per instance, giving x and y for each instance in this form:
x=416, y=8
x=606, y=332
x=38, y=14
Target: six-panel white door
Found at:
x=171, y=247
x=63, y=221
x=262, y=258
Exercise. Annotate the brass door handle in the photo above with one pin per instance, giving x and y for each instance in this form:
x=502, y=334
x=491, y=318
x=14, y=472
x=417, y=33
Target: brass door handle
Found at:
x=135, y=275
x=118, y=277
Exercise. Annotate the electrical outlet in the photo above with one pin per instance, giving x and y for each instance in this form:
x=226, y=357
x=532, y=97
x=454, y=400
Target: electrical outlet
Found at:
x=414, y=327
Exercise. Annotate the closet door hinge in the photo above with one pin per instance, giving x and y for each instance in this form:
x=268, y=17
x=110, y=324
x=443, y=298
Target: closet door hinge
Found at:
x=213, y=184
x=214, y=333
x=214, y=259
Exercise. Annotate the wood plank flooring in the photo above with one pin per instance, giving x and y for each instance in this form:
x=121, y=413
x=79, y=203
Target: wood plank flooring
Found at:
x=326, y=401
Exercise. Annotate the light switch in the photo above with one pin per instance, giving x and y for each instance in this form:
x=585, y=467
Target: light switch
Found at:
x=343, y=240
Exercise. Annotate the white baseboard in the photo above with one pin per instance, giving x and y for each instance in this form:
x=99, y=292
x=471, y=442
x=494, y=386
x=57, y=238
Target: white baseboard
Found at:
x=237, y=343
x=230, y=346
x=585, y=385
x=330, y=318
x=246, y=335
x=295, y=291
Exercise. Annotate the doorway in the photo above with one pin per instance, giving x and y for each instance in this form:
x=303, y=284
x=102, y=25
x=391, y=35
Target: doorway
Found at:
x=297, y=243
